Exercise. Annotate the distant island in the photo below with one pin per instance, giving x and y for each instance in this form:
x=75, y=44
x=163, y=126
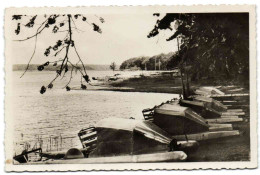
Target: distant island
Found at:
x=33, y=67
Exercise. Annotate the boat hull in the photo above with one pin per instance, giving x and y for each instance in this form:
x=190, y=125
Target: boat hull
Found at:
x=175, y=125
x=175, y=156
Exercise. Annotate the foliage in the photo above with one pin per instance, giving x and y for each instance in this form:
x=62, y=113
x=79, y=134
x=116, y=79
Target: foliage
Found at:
x=113, y=66
x=214, y=44
x=57, y=23
x=149, y=62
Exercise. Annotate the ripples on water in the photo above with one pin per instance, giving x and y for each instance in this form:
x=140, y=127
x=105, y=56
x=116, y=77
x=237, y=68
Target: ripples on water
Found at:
x=59, y=113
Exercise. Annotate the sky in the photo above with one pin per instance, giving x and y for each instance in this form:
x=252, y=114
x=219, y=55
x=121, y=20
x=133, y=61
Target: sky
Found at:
x=123, y=36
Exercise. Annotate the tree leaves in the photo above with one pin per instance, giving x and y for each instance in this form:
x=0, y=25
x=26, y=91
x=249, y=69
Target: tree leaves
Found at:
x=46, y=64
x=43, y=90
x=17, y=31
x=66, y=68
x=76, y=16
x=30, y=24
x=55, y=48
x=101, y=20
x=86, y=78
x=67, y=88
x=50, y=86
x=40, y=68
x=52, y=20
x=17, y=17
x=55, y=29
x=210, y=42
x=58, y=72
x=96, y=28
x=47, y=51
x=84, y=87
x=173, y=36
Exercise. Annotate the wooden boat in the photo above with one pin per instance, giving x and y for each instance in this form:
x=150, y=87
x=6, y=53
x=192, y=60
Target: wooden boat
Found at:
x=205, y=106
x=176, y=156
x=176, y=119
x=121, y=140
x=173, y=118
x=118, y=136
x=207, y=91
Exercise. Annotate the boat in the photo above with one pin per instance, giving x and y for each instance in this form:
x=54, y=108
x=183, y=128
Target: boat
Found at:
x=119, y=136
x=123, y=140
x=184, y=124
x=205, y=106
x=176, y=119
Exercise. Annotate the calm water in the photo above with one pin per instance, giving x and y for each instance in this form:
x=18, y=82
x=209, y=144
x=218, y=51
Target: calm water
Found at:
x=59, y=113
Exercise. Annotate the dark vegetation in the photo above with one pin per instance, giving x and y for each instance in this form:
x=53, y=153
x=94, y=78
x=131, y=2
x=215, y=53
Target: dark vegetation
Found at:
x=150, y=63
x=212, y=45
x=113, y=66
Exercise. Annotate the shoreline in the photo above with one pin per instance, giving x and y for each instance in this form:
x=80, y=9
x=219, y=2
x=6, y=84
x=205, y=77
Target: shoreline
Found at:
x=163, y=84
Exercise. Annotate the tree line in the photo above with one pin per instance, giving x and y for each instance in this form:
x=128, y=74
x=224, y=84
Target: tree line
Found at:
x=157, y=62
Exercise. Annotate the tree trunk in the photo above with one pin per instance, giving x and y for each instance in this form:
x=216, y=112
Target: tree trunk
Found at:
x=187, y=85
x=183, y=86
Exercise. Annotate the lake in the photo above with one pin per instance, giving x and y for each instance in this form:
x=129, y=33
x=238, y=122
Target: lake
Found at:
x=58, y=115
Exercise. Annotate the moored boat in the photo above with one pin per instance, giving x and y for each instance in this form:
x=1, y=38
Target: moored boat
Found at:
x=118, y=136
x=176, y=119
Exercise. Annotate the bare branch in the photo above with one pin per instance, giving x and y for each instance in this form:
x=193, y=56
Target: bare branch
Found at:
x=80, y=59
x=76, y=68
x=33, y=49
x=68, y=45
x=59, y=51
x=70, y=77
x=37, y=32
x=75, y=26
x=57, y=75
x=62, y=31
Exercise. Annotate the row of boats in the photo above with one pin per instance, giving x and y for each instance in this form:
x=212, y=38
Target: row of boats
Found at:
x=168, y=132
